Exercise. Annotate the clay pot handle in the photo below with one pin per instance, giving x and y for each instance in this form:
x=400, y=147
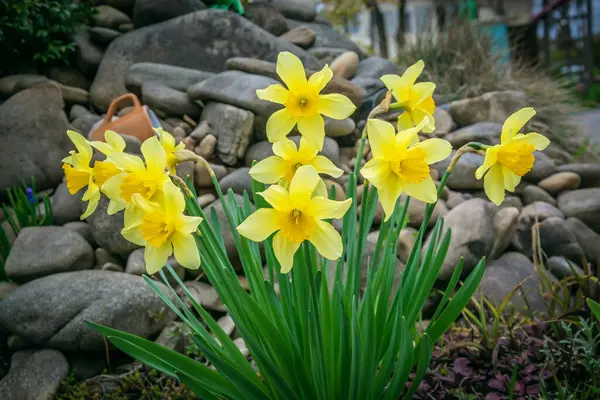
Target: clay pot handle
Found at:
x=118, y=102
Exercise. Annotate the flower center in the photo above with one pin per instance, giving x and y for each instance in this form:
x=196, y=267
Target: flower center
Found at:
x=517, y=156
x=155, y=230
x=302, y=101
x=132, y=183
x=76, y=178
x=297, y=225
x=103, y=171
x=412, y=168
x=302, y=104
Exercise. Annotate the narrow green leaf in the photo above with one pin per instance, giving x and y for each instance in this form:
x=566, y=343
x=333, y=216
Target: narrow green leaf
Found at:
x=425, y=351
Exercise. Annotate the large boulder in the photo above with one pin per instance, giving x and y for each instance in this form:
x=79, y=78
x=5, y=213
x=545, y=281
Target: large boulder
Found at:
x=33, y=130
x=201, y=40
x=148, y=12
x=492, y=107
x=178, y=78
x=106, y=229
x=45, y=250
x=52, y=311
x=583, y=204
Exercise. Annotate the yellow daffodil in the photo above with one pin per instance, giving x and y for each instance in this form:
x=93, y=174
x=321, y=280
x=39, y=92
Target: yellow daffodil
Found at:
x=297, y=216
x=79, y=174
x=507, y=162
x=167, y=141
x=416, y=99
x=401, y=164
x=113, y=143
x=281, y=167
x=163, y=229
x=303, y=105
x=145, y=179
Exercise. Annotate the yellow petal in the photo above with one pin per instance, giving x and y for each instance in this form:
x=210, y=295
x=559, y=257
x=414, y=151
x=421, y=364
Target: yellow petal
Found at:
x=511, y=180
x=146, y=206
x=290, y=70
x=424, y=190
x=81, y=144
x=421, y=91
x=491, y=158
x=279, y=124
x=285, y=148
x=389, y=190
x=322, y=208
x=327, y=240
x=435, y=149
x=188, y=224
x=515, y=122
x=393, y=82
x=409, y=137
x=493, y=184
x=302, y=186
x=318, y=80
x=376, y=170
x=405, y=121
x=174, y=200
x=336, y=106
x=277, y=197
x=91, y=191
x=419, y=115
x=133, y=233
x=132, y=216
x=323, y=165
x=156, y=257
x=312, y=128
x=540, y=142
x=307, y=150
x=92, y=205
x=275, y=93
x=155, y=156
x=185, y=250
x=127, y=162
x=268, y=171
x=381, y=136
x=112, y=189
x=115, y=140
x=284, y=250
x=167, y=140
x=413, y=72
x=260, y=224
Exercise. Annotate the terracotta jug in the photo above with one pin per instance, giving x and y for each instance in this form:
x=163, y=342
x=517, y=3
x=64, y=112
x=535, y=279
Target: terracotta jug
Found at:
x=136, y=123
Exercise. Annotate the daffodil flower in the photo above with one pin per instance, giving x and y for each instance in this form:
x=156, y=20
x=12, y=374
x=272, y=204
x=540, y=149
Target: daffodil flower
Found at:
x=79, y=174
x=163, y=229
x=401, y=164
x=281, y=167
x=114, y=143
x=303, y=105
x=167, y=141
x=507, y=162
x=297, y=216
x=416, y=99
x=145, y=179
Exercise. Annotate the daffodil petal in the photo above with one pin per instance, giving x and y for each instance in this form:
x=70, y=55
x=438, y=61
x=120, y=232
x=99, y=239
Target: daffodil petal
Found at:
x=312, y=128
x=285, y=148
x=336, y=106
x=435, y=149
x=302, y=186
x=511, y=180
x=413, y=72
x=127, y=162
x=424, y=190
x=540, y=142
x=279, y=124
x=375, y=170
x=405, y=121
x=275, y=93
x=307, y=149
x=81, y=144
x=189, y=224
x=392, y=82
x=322, y=208
x=133, y=233
x=260, y=224
x=138, y=201
x=389, y=191
x=419, y=115
x=269, y=171
x=156, y=257
x=381, y=136
x=185, y=250
x=290, y=70
x=327, y=240
x=323, y=165
x=284, y=250
x=174, y=200
x=515, y=122
x=92, y=205
x=133, y=216
x=491, y=158
x=155, y=156
x=421, y=91
x=320, y=79
x=493, y=184
x=277, y=197
x=102, y=147
x=115, y=140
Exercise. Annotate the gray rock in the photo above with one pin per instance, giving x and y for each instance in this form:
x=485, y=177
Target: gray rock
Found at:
x=301, y=36
x=239, y=181
x=45, y=250
x=560, y=181
x=261, y=150
x=557, y=239
x=444, y=123
x=543, y=167
x=79, y=111
x=69, y=76
x=178, y=78
x=88, y=56
x=104, y=257
x=106, y=229
x=416, y=212
x=233, y=128
x=204, y=294
x=65, y=206
x=533, y=193
x=337, y=128
x=406, y=241
x=109, y=17
x=148, y=12
x=370, y=70
x=587, y=239
x=463, y=175
x=118, y=300
x=589, y=173
x=302, y=10
x=6, y=288
x=83, y=229
x=562, y=268
x=483, y=132
x=34, y=375
x=205, y=41
x=85, y=365
x=505, y=227
x=539, y=211
x=492, y=106
x=583, y=204
x=501, y=276
x=472, y=236
x=136, y=265
x=326, y=54
x=345, y=65
x=33, y=142
x=73, y=95
x=329, y=37
x=167, y=101
x=85, y=124
x=12, y=84
x=103, y=36
x=267, y=17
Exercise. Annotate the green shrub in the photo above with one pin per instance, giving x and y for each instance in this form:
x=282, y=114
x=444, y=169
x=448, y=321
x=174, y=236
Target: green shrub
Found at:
x=40, y=31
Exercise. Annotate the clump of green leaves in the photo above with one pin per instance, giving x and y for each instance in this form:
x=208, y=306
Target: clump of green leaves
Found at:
x=40, y=31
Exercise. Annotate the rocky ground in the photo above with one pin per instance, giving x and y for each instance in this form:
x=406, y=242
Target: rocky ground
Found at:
x=198, y=69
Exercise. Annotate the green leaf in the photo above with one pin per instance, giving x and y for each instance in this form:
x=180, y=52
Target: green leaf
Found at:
x=594, y=307
x=425, y=351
